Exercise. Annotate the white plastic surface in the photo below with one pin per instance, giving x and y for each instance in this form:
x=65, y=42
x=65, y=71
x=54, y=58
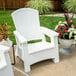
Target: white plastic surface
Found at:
x=26, y=21
x=5, y=64
x=2, y=61
x=27, y=25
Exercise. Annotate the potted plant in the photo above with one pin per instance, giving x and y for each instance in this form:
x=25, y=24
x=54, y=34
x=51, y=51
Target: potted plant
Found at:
x=67, y=34
x=4, y=35
x=66, y=30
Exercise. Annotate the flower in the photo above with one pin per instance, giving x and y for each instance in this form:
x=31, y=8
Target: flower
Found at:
x=60, y=35
x=59, y=32
x=74, y=27
x=0, y=36
x=59, y=26
x=72, y=33
x=4, y=32
x=65, y=32
x=66, y=27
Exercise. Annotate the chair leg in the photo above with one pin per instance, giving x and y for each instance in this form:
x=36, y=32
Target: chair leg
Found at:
x=27, y=67
x=16, y=52
x=56, y=59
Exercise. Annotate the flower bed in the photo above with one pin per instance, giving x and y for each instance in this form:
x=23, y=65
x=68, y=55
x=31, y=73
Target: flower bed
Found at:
x=66, y=32
x=4, y=32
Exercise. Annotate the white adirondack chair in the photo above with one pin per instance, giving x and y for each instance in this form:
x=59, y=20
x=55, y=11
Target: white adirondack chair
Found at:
x=5, y=65
x=27, y=25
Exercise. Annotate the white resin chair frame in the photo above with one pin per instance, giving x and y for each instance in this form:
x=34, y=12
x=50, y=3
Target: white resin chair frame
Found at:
x=27, y=25
x=5, y=64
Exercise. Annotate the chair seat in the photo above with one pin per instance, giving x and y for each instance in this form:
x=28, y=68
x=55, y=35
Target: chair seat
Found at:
x=36, y=47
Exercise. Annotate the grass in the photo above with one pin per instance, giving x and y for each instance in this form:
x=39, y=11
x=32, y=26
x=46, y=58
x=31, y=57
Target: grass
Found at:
x=50, y=22
x=46, y=21
x=54, y=12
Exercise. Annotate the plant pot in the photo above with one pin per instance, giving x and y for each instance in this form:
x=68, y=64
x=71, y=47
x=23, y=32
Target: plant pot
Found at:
x=66, y=44
x=6, y=42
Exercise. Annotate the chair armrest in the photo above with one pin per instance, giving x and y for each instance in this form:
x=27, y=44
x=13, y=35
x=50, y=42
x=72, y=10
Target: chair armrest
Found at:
x=20, y=38
x=48, y=32
x=52, y=34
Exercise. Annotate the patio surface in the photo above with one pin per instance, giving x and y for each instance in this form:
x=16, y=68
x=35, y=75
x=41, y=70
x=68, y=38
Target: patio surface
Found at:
x=60, y=15
x=66, y=66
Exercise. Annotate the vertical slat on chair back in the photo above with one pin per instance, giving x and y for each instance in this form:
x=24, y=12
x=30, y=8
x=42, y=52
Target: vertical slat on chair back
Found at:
x=26, y=21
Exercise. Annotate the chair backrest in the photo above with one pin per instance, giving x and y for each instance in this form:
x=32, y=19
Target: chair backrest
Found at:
x=26, y=21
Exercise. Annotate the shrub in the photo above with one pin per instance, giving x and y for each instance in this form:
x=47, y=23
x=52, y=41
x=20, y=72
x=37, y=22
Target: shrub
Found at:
x=42, y=6
x=70, y=5
x=4, y=32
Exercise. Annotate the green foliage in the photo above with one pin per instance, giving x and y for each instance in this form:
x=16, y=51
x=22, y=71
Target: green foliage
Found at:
x=50, y=21
x=63, y=1
x=70, y=5
x=5, y=17
x=72, y=32
x=42, y=6
x=46, y=21
x=63, y=6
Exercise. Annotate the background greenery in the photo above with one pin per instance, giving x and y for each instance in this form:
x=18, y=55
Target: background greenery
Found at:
x=43, y=6
x=46, y=21
x=70, y=5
